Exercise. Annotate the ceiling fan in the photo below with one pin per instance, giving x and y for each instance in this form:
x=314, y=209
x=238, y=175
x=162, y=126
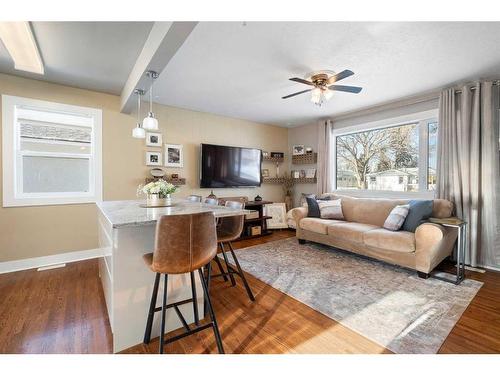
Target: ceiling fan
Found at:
x=322, y=82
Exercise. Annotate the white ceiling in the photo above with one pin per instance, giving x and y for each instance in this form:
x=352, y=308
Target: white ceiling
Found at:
x=242, y=71
x=92, y=55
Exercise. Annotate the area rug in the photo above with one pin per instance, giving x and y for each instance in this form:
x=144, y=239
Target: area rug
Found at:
x=387, y=304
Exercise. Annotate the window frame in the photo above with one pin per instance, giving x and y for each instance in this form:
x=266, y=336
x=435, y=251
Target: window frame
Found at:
x=12, y=155
x=423, y=119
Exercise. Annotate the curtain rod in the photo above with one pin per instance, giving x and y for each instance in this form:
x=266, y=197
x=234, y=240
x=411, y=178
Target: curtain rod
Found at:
x=494, y=83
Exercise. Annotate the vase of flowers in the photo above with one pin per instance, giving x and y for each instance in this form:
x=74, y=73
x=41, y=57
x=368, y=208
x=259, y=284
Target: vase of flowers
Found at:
x=159, y=193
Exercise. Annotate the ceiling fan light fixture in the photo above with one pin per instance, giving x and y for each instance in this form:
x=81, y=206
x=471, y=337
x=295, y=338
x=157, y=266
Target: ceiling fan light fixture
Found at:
x=328, y=94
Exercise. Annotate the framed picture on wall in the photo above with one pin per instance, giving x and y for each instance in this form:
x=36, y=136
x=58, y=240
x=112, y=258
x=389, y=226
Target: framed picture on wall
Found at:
x=298, y=150
x=278, y=213
x=154, y=139
x=173, y=156
x=153, y=158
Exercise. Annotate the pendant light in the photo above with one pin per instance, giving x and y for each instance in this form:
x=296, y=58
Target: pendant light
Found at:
x=150, y=122
x=138, y=131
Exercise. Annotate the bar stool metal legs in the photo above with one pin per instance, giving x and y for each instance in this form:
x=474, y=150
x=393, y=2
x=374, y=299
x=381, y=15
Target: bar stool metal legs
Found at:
x=240, y=272
x=175, y=305
x=230, y=270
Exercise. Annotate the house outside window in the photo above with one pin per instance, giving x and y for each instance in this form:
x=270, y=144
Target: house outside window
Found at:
x=51, y=153
x=398, y=155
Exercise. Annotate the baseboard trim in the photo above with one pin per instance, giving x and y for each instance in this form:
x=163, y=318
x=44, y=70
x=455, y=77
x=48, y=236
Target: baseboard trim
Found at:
x=49, y=260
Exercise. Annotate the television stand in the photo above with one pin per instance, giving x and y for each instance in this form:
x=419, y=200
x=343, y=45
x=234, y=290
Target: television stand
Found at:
x=258, y=221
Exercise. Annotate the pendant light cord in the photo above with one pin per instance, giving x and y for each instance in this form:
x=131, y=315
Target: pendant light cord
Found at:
x=138, y=107
x=151, y=95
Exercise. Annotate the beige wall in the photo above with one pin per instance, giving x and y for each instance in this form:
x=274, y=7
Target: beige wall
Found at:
x=28, y=232
x=306, y=135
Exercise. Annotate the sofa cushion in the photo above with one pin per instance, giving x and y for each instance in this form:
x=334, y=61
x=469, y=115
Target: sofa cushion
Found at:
x=400, y=241
x=317, y=225
x=350, y=231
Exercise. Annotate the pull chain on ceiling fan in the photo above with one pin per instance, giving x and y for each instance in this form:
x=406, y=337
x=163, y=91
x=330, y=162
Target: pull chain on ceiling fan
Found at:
x=323, y=86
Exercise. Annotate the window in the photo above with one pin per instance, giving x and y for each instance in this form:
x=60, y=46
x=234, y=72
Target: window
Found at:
x=388, y=157
x=51, y=153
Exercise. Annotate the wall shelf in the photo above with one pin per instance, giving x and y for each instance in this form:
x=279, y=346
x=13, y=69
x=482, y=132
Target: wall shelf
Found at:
x=176, y=181
x=274, y=160
x=311, y=158
x=281, y=180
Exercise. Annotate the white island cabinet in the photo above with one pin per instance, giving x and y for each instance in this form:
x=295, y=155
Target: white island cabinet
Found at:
x=127, y=231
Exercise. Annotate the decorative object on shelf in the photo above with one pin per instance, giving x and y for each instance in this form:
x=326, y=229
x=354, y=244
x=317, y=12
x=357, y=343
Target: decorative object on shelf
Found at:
x=302, y=173
x=287, y=186
x=310, y=173
x=265, y=154
x=173, y=156
x=254, y=214
x=277, y=211
x=298, y=150
x=295, y=174
x=258, y=198
x=211, y=195
x=309, y=150
x=277, y=155
x=159, y=193
x=277, y=170
x=150, y=122
x=174, y=176
x=138, y=131
x=154, y=139
x=157, y=172
x=153, y=158
x=255, y=230
x=311, y=158
x=265, y=173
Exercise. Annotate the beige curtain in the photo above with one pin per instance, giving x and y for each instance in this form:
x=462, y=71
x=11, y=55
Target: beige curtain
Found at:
x=468, y=159
x=324, y=173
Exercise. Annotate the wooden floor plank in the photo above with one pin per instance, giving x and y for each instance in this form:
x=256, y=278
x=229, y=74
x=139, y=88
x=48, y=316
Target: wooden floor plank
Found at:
x=63, y=311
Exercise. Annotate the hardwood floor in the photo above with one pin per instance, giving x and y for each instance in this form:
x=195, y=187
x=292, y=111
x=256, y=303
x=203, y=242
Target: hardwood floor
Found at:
x=63, y=311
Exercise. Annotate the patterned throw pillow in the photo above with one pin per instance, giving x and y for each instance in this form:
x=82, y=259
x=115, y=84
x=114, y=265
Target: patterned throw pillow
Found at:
x=331, y=209
x=397, y=217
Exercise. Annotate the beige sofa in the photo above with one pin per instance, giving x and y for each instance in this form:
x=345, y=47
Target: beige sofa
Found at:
x=362, y=233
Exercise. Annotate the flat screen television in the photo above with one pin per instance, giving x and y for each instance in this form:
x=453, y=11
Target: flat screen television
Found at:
x=226, y=166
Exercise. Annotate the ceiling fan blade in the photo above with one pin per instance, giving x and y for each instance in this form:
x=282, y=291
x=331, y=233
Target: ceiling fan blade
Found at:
x=353, y=89
x=300, y=80
x=337, y=77
x=297, y=93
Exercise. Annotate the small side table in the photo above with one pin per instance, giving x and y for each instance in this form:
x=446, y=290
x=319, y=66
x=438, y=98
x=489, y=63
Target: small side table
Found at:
x=461, y=226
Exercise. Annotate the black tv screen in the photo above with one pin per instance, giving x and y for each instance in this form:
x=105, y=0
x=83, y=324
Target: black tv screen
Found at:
x=225, y=166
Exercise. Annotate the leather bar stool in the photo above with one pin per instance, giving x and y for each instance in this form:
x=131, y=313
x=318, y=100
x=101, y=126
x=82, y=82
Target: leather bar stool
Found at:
x=194, y=198
x=183, y=244
x=215, y=202
x=229, y=229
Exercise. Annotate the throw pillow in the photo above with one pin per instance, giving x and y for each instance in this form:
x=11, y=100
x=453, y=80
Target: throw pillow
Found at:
x=420, y=210
x=397, y=217
x=303, y=197
x=312, y=207
x=331, y=209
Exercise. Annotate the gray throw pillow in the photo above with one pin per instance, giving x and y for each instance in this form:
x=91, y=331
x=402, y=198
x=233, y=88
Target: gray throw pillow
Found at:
x=420, y=210
x=312, y=208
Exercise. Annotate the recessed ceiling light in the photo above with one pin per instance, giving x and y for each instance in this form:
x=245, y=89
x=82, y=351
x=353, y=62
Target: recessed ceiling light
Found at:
x=20, y=42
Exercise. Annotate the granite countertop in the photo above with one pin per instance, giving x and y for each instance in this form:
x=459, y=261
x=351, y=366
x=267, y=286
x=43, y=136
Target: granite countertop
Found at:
x=130, y=213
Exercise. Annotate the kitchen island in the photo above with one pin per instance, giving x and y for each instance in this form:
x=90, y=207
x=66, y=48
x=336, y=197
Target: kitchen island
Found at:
x=126, y=232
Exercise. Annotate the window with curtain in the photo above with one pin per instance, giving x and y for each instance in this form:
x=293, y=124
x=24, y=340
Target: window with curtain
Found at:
x=393, y=158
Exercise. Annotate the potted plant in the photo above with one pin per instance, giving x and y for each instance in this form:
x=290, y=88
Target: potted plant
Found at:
x=159, y=193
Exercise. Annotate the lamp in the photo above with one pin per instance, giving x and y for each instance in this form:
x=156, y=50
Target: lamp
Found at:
x=321, y=95
x=138, y=131
x=150, y=122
